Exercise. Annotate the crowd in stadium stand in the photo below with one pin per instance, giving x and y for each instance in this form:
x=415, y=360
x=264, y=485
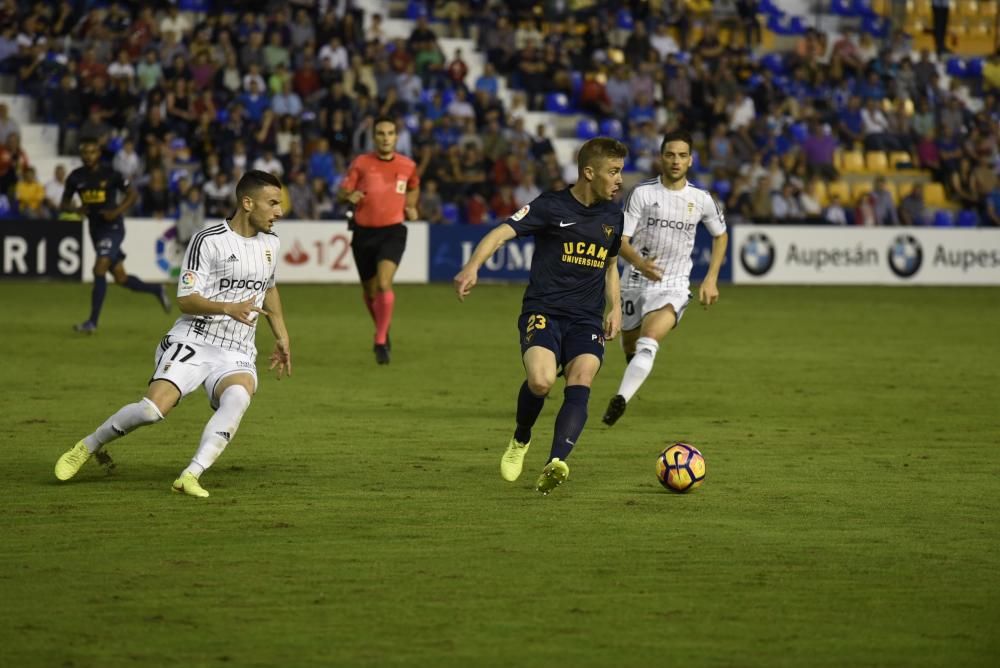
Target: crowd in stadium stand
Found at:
x=184, y=101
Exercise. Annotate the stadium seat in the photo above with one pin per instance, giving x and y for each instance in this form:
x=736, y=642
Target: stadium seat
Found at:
x=877, y=161
x=900, y=160
x=412, y=122
x=921, y=8
x=859, y=188
x=968, y=8
x=558, y=103
x=800, y=131
x=988, y=10
x=841, y=189
x=842, y=8
x=956, y=67
x=416, y=9
x=852, y=162
x=863, y=8
x=974, y=67
x=967, y=218
x=774, y=62
x=876, y=26
x=942, y=219
x=612, y=127
x=587, y=129
x=934, y=195
x=820, y=192
x=449, y=211
x=624, y=19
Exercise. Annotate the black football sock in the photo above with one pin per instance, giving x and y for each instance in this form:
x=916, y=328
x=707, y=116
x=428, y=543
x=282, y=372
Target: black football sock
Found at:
x=528, y=408
x=138, y=285
x=570, y=421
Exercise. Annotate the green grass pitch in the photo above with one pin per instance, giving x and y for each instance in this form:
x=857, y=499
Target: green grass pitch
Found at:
x=849, y=517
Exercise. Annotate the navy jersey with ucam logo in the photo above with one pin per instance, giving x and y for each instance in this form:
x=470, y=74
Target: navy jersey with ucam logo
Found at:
x=98, y=189
x=662, y=223
x=223, y=266
x=573, y=244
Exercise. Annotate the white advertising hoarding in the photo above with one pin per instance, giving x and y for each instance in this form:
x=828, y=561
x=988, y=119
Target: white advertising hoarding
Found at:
x=835, y=255
x=311, y=252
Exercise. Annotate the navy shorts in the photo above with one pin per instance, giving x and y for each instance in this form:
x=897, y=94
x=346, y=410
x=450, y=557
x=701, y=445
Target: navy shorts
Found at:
x=108, y=243
x=371, y=245
x=567, y=337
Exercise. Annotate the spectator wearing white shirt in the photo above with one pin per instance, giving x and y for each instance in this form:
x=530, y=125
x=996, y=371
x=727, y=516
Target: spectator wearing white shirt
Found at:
x=785, y=204
x=460, y=107
x=526, y=191
x=176, y=23
x=126, y=161
x=664, y=42
x=269, y=163
x=875, y=127
x=287, y=102
x=55, y=187
x=335, y=53
x=835, y=214
x=8, y=125
x=122, y=68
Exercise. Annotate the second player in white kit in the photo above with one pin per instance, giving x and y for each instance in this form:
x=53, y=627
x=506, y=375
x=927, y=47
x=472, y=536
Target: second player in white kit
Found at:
x=661, y=218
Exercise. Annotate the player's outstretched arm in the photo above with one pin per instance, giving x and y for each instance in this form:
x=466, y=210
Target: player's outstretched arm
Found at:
x=466, y=279
x=281, y=358
x=708, y=294
x=612, y=293
x=645, y=265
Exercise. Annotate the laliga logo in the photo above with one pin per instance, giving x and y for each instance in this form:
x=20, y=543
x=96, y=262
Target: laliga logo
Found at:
x=905, y=256
x=169, y=253
x=757, y=254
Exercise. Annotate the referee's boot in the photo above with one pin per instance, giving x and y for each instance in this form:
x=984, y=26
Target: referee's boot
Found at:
x=382, y=353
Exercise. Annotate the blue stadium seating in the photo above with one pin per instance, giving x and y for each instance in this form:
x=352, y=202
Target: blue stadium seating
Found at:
x=956, y=67
x=943, y=219
x=876, y=26
x=974, y=67
x=558, y=103
x=768, y=7
x=416, y=9
x=774, y=62
x=412, y=122
x=587, y=129
x=967, y=218
x=863, y=8
x=625, y=20
x=612, y=127
x=842, y=8
x=449, y=211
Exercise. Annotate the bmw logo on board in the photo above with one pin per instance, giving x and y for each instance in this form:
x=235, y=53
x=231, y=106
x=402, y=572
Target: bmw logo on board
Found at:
x=757, y=254
x=905, y=256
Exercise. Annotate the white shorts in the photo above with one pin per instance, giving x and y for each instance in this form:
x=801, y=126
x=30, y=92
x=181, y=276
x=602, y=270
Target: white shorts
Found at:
x=188, y=364
x=637, y=303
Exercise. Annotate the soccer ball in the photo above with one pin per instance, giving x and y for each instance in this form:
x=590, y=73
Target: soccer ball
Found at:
x=680, y=467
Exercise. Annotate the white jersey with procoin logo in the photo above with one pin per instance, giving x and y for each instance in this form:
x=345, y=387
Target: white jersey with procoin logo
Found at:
x=223, y=266
x=663, y=223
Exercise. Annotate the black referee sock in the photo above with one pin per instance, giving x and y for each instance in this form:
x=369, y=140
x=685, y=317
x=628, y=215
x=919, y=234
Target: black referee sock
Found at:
x=528, y=408
x=570, y=421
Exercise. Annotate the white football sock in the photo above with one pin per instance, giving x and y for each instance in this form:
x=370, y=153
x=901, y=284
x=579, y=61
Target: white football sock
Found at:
x=220, y=428
x=640, y=366
x=128, y=418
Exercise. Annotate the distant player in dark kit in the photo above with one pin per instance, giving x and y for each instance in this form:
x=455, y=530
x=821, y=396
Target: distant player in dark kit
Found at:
x=98, y=186
x=384, y=187
x=574, y=274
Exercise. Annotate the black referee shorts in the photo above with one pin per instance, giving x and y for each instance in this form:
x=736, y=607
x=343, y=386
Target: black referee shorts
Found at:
x=370, y=245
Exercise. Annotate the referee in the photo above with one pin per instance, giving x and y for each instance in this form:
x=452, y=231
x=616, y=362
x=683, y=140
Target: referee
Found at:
x=384, y=188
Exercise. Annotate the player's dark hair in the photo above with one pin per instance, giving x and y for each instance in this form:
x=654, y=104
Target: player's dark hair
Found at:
x=87, y=139
x=599, y=148
x=383, y=118
x=253, y=181
x=677, y=135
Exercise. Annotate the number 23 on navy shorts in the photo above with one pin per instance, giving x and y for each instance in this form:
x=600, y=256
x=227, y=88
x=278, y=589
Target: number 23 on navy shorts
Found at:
x=567, y=338
x=188, y=364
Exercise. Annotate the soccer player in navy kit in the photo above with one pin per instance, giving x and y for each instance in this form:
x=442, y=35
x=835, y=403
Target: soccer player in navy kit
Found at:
x=574, y=274
x=98, y=186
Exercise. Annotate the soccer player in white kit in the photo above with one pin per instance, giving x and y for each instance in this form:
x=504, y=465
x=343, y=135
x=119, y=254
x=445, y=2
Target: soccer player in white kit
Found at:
x=226, y=282
x=661, y=218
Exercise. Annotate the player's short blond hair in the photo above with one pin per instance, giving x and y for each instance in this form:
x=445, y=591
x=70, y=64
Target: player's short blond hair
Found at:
x=597, y=149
